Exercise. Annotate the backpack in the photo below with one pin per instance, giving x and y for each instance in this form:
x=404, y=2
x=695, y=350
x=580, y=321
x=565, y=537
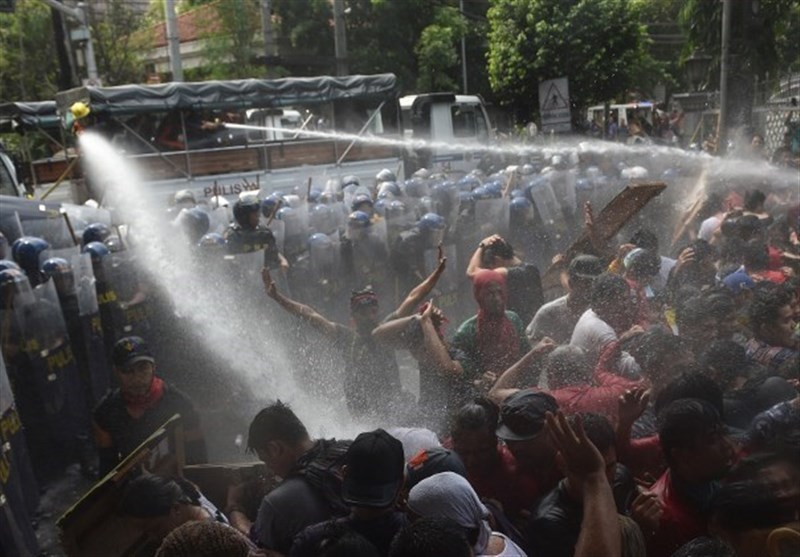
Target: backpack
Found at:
x=321, y=467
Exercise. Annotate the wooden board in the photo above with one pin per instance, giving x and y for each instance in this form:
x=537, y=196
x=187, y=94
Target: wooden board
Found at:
x=611, y=219
x=93, y=527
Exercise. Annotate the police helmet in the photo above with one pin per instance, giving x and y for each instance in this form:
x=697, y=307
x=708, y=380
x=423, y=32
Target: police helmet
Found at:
x=468, y=183
x=97, y=251
x=269, y=203
x=432, y=221
x=520, y=204
x=243, y=208
x=95, y=232
x=211, y=240
x=415, y=187
x=380, y=206
x=422, y=173
x=8, y=264
x=527, y=169
x=359, y=200
x=389, y=188
x=12, y=276
x=350, y=180
x=385, y=175
x=55, y=266
x=114, y=243
x=319, y=240
x=285, y=213
x=26, y=251
x=395, y=209
x=194, y=222
x=358, y=219
x=494, y=189
x=313, y=196
x=184, y=197
x=218, y=201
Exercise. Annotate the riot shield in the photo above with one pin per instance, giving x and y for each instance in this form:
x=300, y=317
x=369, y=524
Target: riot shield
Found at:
x=492, y=216
x=219, y=218
x=60, y=413
x=125, y=280
x=295, y=232
x=92, y=347
x=278, y=229
x=563, y=183
x=541, y=194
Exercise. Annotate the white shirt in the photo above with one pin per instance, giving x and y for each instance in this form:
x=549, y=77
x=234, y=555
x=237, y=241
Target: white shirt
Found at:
x=593, y=335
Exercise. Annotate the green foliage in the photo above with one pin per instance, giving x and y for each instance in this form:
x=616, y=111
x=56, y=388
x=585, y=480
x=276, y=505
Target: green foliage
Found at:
x=28, y=61
x=764, y=42
x=307, y=24
x=232, y=29
x=117, y=45
x=437, y=51
x=599, y=44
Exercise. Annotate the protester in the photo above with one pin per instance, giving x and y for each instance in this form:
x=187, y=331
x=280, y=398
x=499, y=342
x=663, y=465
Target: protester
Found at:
x=142, y=403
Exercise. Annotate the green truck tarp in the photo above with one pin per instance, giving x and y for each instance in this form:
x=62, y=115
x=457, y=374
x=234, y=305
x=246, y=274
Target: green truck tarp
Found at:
x=22, y=116
x=230, y=95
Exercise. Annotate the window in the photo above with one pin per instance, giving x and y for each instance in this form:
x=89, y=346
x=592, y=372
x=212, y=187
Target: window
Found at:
x=7, y=186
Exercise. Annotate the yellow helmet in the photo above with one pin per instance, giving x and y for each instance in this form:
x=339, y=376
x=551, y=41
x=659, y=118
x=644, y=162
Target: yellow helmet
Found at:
x=79, y=110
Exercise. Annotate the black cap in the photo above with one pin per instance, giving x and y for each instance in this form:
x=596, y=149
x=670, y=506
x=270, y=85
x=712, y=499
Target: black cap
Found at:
x=585, y=267
x=375, y=470
x=522, y=414
x=129, y=350
x=428, y=462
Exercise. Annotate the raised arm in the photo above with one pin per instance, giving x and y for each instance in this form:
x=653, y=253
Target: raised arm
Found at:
x=600, y=531
x=434, y=349
x=393, y=332
x=421, y=291
x=307, y=313
x=476, y=261
x=506, y=385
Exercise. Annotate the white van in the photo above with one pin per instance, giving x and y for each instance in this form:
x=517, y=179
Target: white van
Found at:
x=460, y=121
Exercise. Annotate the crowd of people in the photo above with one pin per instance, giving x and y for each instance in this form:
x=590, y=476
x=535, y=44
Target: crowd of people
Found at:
x=638, y=405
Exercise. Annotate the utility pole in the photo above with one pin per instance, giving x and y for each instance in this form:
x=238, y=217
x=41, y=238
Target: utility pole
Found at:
x=339, y=37
x=268, y=34
x=81, y=15
x=725, y=62
x=173, y=41
x=463, y=48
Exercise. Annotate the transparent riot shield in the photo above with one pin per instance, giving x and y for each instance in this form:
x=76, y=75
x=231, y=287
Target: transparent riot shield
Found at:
x=49, y=225
x=92, y=349
x=66, y=253
x=53, y=371
x=541, y=194
x=563, y=183
x=14, y=456
x=492, y=216
x=132, y=317
x=278, y=229
x=295, y=232
x=219, y=218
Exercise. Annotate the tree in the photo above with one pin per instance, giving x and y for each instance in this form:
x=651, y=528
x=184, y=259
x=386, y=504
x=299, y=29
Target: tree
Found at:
x=599, y=44
x=437, y=54
x=232, y=29
x=117, y=44
x=28, y=60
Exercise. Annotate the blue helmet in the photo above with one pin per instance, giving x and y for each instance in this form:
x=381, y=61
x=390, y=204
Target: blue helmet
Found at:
x=269, y=203
x=432, y=221
x=243, y=208
x=480, y=193
x=97, y=251
x=95, y=232
x=415, y=187
x=389, y=188
x=358, y=219
x=395, y=209
x=380, y=206
x=211, y=240
x=55, y=266
x=26, y=251
x=194, y=222
x=517, y=193
x=8, y=264
x=285, y=213
x=313, y=196
x=520, y=204
x=359, y=200
x=319, y=240
x=494, y=189
x=12, y=276
x=468, y=183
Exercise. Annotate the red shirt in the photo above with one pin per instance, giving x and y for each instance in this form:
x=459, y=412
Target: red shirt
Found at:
x=643, y=456
x=602, y=397
x=679, y=524
x=505, y=483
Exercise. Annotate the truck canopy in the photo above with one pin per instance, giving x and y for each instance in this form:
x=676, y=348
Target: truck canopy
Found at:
x=23, y=116
x=229, y=95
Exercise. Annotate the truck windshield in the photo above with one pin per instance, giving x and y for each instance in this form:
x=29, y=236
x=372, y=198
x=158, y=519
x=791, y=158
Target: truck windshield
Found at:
x=468, y=121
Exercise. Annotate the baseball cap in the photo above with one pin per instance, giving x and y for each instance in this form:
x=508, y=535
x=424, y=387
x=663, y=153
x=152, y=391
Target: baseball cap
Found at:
x=428, y=462
x=375, y=470
x=738, y=281
x=585, y=267
x=129, y=350
x=522, y=415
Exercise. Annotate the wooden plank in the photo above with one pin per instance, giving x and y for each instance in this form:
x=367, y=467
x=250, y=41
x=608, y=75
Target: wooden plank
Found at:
x=48, y=171
x=291, y=154
x=611, y=219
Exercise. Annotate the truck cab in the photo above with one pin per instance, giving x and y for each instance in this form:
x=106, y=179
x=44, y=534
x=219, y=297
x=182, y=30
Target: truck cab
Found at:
x=455, y=128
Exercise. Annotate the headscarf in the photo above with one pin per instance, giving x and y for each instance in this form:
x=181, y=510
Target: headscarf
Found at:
x=497, y=340
x=449, y=495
